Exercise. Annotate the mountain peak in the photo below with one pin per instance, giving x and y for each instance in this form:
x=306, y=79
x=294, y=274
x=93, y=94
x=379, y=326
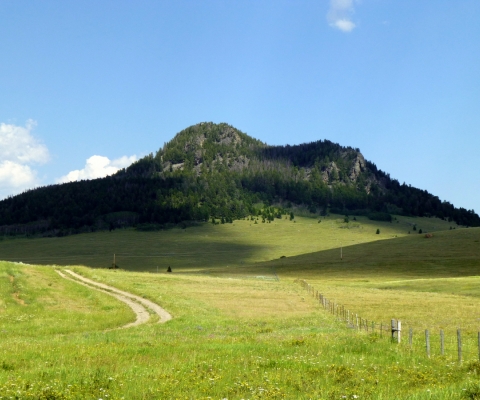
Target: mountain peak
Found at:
x=215, y=170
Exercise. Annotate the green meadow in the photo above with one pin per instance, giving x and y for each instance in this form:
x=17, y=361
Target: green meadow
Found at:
x=243, y=327
x=210, y=246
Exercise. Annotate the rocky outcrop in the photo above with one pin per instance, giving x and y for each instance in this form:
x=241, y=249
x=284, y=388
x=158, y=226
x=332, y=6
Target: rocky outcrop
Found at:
x=357, y=168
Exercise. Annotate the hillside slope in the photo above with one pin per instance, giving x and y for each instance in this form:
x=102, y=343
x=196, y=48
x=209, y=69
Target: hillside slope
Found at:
x=214, y=170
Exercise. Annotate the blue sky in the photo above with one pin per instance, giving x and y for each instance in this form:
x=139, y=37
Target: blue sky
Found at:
x=87, y=87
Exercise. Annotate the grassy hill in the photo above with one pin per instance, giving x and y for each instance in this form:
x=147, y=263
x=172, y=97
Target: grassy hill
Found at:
x=208, y=246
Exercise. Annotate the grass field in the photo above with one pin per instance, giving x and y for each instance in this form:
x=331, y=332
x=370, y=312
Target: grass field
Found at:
x=250, y=337
x=209, y=246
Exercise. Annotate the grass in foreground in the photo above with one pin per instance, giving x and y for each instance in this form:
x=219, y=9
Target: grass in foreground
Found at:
x=247, y=338
x=230, y=338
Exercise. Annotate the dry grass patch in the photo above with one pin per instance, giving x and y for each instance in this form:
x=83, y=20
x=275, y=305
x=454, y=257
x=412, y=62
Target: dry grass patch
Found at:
x=248, y=299
x=231, y=297
x=415, y=309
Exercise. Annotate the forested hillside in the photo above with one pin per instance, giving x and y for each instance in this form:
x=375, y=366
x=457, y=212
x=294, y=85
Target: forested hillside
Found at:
x=214, y=170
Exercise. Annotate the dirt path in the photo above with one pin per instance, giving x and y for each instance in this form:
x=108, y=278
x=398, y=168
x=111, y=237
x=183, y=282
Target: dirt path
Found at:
x=138, y=304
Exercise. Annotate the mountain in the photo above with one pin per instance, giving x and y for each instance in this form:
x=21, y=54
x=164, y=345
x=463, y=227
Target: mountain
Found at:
x=215, y=170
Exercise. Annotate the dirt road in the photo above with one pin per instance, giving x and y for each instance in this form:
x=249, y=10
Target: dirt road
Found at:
x=139, y=305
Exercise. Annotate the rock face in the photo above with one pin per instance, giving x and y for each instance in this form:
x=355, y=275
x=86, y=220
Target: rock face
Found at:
x=206, y=145
x=357, y=167
x=330, y=173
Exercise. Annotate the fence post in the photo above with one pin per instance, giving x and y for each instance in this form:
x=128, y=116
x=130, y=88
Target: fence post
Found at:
x=381, y=329
x=356, y=320
x=427, y=342
x=394, y=328
x=459, y=344
x=478, y=340
x=442, y=342
x=399, y=331
x=410, y=337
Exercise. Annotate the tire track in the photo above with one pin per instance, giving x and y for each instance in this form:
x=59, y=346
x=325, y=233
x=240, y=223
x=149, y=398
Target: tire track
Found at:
x=139, y=305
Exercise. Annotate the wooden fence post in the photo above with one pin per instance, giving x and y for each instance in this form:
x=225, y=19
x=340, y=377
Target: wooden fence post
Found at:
x=399, y=331
x=427, y=342
x=393, y=328
x=381, y=329
x=356, y=321
x=459, y=345
x=478, y=340
x=442, y=342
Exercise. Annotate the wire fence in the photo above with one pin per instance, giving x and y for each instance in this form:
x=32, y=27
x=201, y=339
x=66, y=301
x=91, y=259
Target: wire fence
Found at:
x=462, y=346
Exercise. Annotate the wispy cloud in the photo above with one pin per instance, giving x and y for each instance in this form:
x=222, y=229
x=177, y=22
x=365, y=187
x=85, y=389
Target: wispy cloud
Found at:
x=97, y=167
x=340, y=14
x=19, y=150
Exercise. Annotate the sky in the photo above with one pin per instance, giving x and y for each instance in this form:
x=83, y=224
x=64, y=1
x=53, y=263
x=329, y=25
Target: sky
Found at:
x=88, y=87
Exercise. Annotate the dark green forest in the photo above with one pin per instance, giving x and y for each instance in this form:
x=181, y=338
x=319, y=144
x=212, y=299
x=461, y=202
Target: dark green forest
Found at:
x=216, y=171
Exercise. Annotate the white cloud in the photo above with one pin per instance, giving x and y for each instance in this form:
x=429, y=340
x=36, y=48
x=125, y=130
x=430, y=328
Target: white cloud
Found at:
x=97, y=167
x=18, y=145
x=18, y=150
x=339, y=15
x=15, y=176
